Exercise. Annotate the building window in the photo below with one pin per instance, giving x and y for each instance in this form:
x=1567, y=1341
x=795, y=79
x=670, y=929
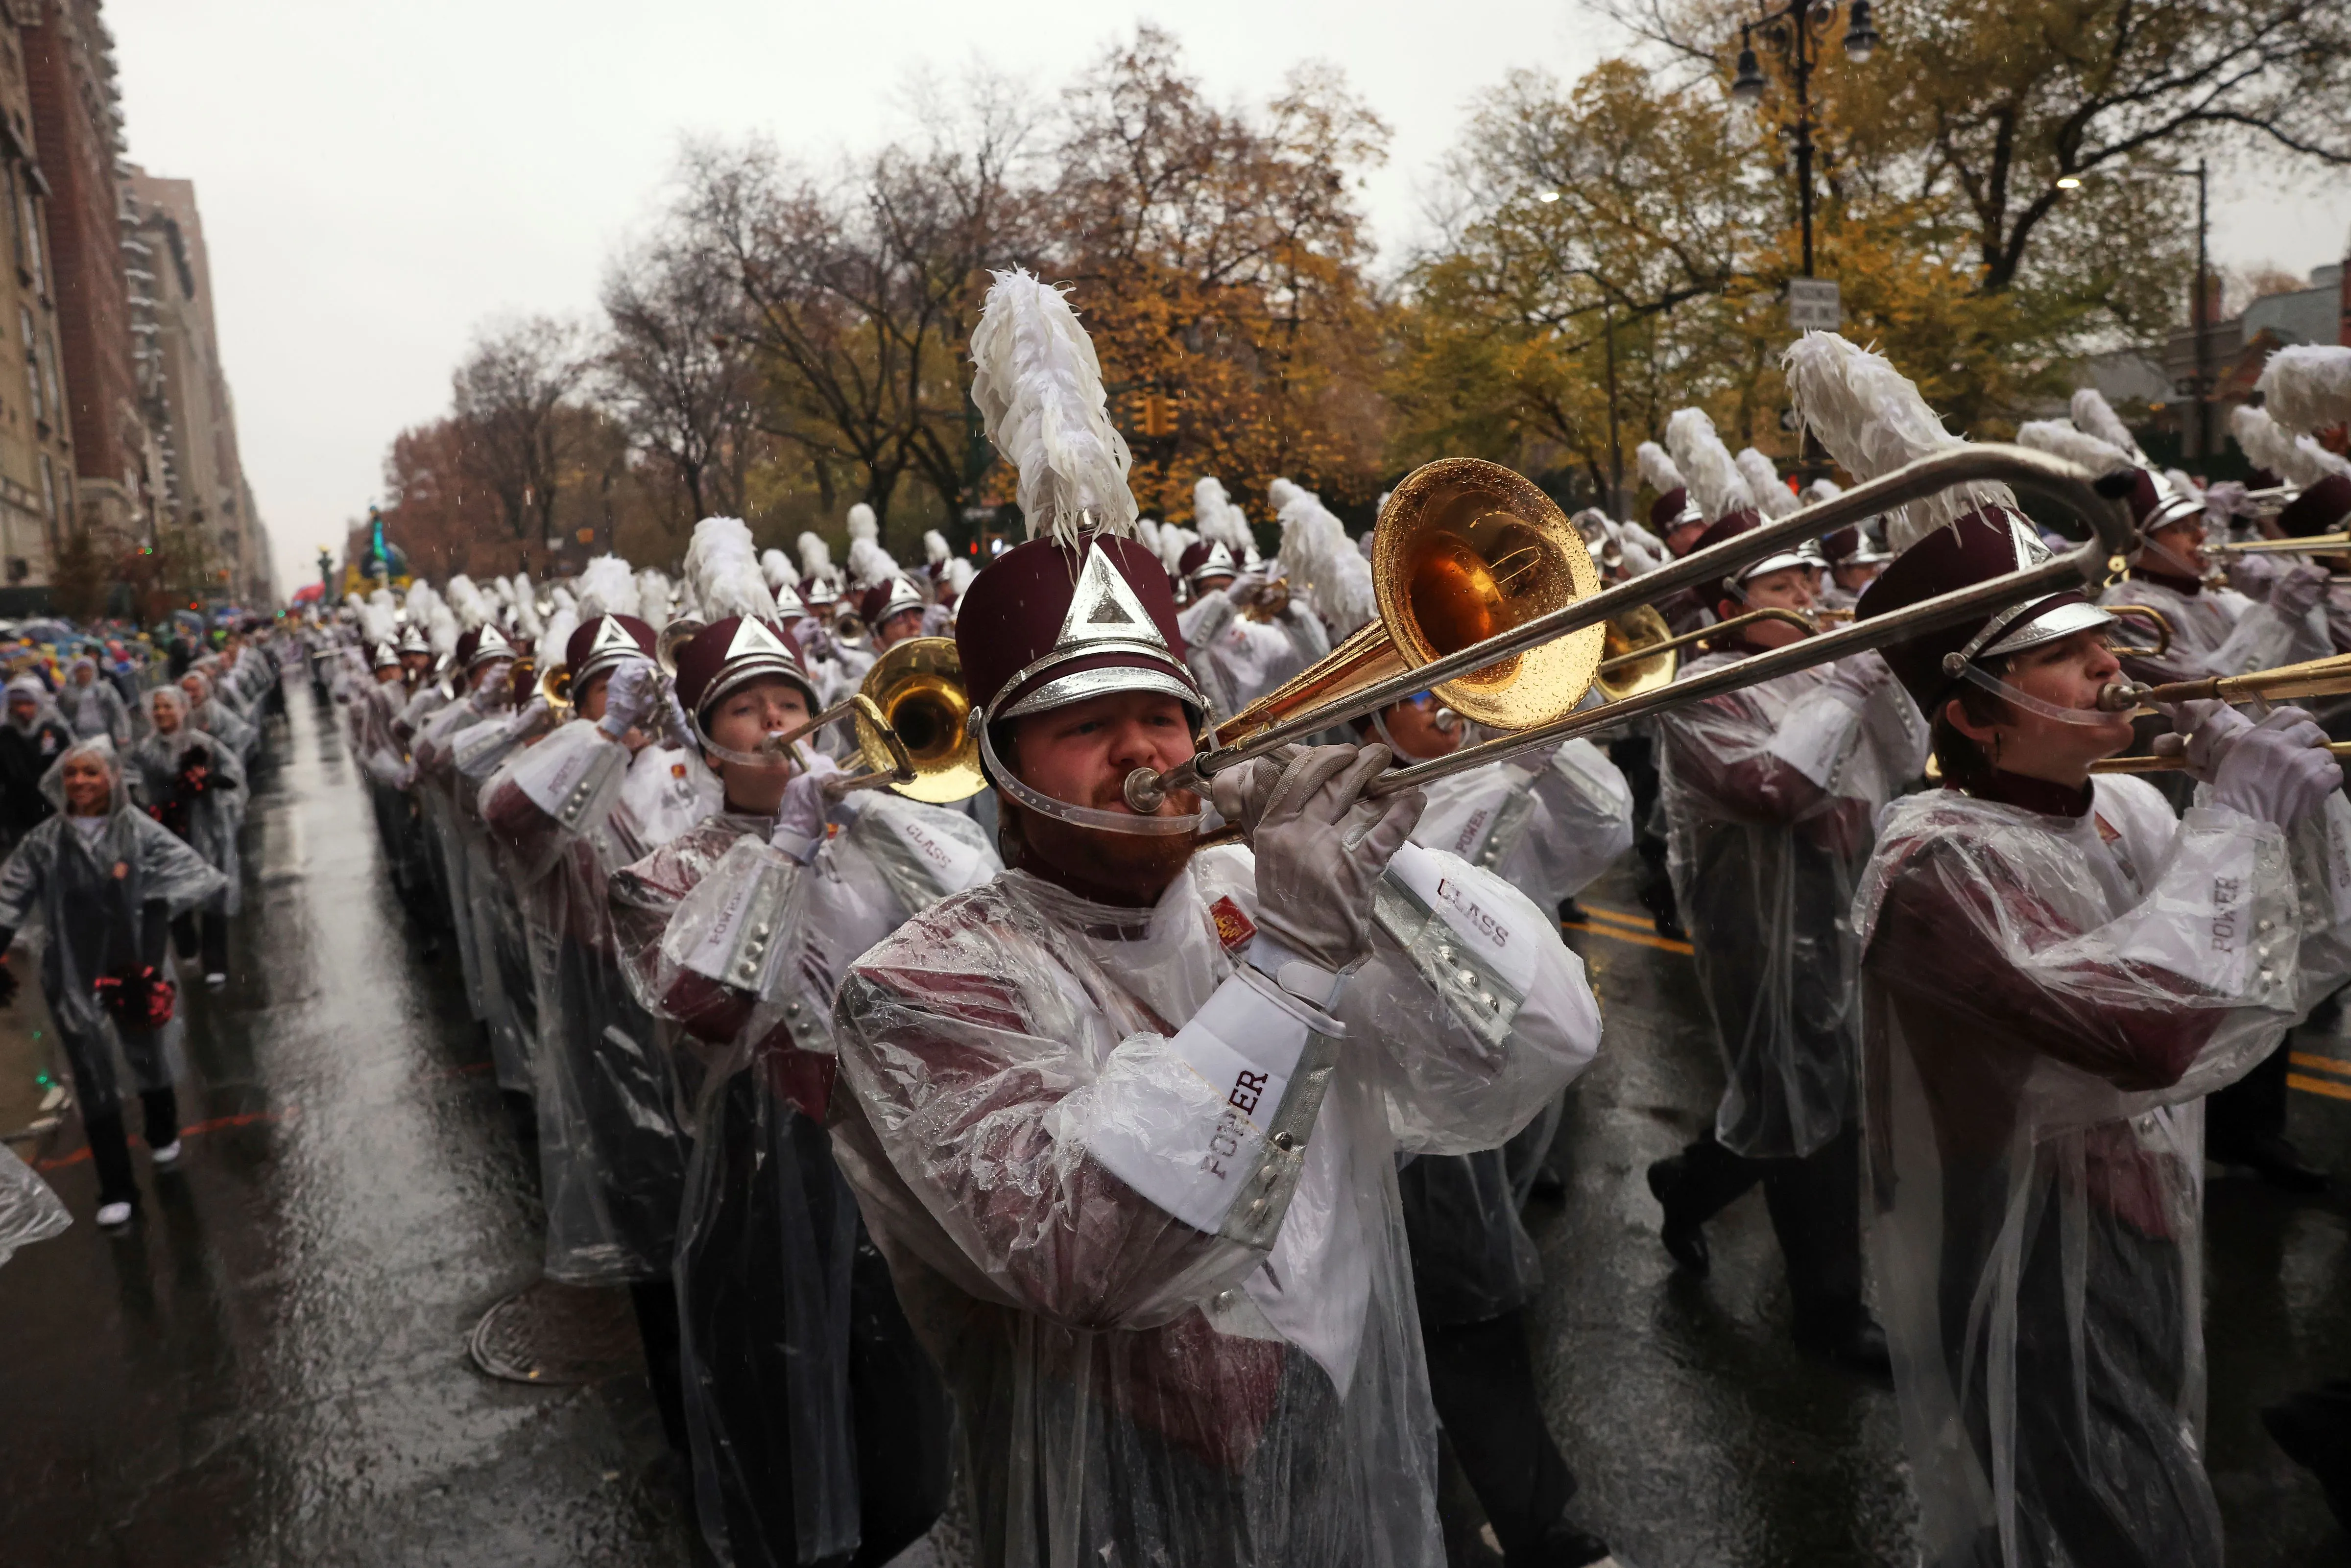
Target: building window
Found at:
x=16, y=216
x=32, y=363
x=32, y=210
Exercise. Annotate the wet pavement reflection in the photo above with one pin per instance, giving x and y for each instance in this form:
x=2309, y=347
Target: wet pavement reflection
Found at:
x=270, y=1367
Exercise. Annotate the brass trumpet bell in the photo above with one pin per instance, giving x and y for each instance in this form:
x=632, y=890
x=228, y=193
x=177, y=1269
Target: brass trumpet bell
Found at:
x=1465, y=549
x=918, y=688
x=555, y=686
x=674, y=637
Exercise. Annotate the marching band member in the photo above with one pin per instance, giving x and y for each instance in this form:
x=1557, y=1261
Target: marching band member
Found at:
x=1236, y=657
x=1124, y=1119
x=817, y=1425
x=1548, y=827
x=193, y=784
x=107, y=880
x=2057, y=969
x=1770, y=791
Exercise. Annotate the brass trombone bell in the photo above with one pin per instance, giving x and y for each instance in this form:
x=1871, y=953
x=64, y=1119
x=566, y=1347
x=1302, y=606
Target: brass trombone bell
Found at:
x=555, y=686
x=917, y=688
x=1465, y=549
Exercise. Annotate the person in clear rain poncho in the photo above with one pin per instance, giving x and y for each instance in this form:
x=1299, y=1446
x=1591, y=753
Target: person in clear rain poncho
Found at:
x=1124, y=1120
x=819, y=1427
x=1547, y=826
x=105, y=881
x=562, y=821
x=91, y=704
x=1236, y=656
x=208, y=713
x=193, y=784
x=1769, y=793
x=2056, y=969
x=31, y=739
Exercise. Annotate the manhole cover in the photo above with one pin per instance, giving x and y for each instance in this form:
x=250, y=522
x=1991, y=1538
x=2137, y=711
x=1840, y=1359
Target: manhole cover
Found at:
x=552, y=1334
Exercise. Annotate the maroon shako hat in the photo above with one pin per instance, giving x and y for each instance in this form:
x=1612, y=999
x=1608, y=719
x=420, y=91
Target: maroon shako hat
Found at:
x=729, y=653
x=883, y=599
x=2321, y=509
x=602, y=642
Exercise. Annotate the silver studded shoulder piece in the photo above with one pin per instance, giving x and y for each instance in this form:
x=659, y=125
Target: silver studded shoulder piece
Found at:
x=1487, y=1005
x=1256, y=1216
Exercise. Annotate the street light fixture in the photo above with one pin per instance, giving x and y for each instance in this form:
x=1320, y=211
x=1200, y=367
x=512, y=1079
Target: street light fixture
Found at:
x=1798, y=30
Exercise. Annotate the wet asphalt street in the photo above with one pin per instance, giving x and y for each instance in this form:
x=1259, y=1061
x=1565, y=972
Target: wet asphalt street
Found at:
x=271, y=1367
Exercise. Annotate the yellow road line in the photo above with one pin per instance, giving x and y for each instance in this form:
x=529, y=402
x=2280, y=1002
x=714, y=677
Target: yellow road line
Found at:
x=1638, y=938
x=2333, y=1064
x=2318, y=1086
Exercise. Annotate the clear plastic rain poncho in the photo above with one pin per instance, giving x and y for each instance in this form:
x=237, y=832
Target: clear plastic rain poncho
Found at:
x=612, y=1147
x=818, y=1427
x=1239, y=658
x=2219, y=632
x=214, y=716
x=193, y=784
x=1145, y=1214
x=2048, y=999
x=1547, y=826
x=105, y=902
x=491, y=954
x=1769, y=793
x=29, y=1211
x=93, y=708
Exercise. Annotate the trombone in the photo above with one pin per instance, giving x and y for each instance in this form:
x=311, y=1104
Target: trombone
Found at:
x=555, y=686
x=2326, y=677
x=1488, y=596
x=2309, y=544
x=1651, y=658
x=917, y=689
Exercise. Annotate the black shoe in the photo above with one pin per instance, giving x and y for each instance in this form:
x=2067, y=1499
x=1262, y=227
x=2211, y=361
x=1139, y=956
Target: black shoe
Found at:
x=1685, y=1239
x=1564, y=1546
x=1854, y=1343
x=1571, y=912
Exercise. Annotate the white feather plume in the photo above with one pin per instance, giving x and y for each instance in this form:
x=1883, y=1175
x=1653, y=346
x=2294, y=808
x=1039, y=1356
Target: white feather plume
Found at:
x=869, y=563
x=862, y=523
x=1773, y=496
x=1279, y=494
x=377, y=624
x=778, y=569
x=1173, y=540
x=1220, y=518
x=2184, y=484
x=441, y=628
x=1323, y=564
x=1038, y=385
x=1873, y=420
x=1147, y=530
x=2093, y=415
x=816, y=558
x=2296, y=460
x=723, y=566
x=653, y=598
x=555, y=638
x=607, y=587
x=935, y=546
x=1821, y=489
x=464, y=601
x=2060, y=439
x=959, y=573
x=1715, y=482
x=1657, y=469
x=2307, y=387
x=561, y=598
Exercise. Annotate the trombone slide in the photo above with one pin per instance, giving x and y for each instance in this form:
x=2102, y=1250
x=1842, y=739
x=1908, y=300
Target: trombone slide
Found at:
x=2145, y=764
x=2327, y=677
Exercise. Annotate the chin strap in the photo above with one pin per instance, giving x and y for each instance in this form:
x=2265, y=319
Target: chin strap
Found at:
x=1977, y=675
x=1077, y=816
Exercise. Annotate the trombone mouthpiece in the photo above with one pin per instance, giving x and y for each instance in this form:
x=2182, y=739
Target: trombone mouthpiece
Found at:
x=1146, y=791
x=2122, y=696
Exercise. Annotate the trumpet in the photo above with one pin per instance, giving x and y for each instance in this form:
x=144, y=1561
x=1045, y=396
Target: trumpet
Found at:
x=1488, y=596
x=848, y=629
x=555, y=686
x=1269, y=601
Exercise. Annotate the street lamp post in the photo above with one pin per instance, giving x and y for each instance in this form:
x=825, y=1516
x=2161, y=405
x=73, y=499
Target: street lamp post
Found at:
x=1794, y=30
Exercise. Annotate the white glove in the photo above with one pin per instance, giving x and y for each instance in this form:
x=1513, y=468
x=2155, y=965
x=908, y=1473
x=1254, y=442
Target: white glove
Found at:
x=2298, y=592
x=800, y=819
x=1321, y=851
x=2278, y=770
x=629, y=696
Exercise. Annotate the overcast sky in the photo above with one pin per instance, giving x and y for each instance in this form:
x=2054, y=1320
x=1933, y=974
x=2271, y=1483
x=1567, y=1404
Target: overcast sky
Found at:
x=376, y=179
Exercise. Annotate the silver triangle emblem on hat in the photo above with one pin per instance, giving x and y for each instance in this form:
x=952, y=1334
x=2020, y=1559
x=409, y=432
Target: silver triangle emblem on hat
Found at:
x=612, y=636
x=789, y=602
x=751, y=639
x=492, y=643
x=1104, y=609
